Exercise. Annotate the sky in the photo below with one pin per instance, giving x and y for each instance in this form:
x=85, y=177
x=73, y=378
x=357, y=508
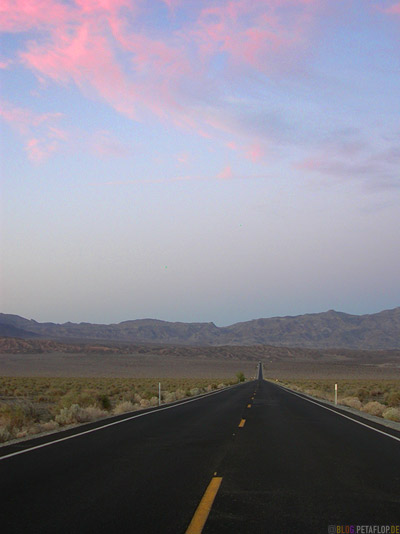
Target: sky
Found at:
x=199, y=160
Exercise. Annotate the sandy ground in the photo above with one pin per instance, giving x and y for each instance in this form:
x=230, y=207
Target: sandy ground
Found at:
x=153, y=366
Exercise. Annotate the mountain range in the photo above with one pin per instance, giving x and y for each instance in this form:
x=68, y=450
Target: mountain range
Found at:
x=329, y=329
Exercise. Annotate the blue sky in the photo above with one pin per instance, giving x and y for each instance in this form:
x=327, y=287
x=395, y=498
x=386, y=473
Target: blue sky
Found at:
x=199, y=161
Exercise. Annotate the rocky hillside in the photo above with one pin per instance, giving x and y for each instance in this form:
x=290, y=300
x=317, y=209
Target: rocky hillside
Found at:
x=319, y=330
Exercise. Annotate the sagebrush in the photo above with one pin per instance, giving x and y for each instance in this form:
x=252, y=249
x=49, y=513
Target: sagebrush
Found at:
x=32, y=405
x=376, y=397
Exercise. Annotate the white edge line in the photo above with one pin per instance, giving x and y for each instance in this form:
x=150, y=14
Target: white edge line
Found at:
x=339, y=413
x=113, y=423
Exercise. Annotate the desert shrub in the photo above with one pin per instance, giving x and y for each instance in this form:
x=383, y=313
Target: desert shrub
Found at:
x=123, y=407
x=19, y=414
x=69, y=415
x=5, y=434
x=32, y=429
x=393, y=414
x=153, y=401
x=393, y=398
x=104, y=402
x=50, y=425
x=76, y=414
x=91, y=413
x=362, y=394
x=169, y=396
x=43, y=398
x=146, y=394
x=353, y=392
x=55, y=392
x=240, y=377
x=374, y=408
x=38, y=404
x=179, y=394
x=352, y=402
x=70, y=398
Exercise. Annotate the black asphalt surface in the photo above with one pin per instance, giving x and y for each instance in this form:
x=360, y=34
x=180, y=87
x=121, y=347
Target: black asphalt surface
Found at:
x=293, y=467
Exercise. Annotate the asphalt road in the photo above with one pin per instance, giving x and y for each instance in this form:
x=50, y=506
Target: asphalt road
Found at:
x=290, y=467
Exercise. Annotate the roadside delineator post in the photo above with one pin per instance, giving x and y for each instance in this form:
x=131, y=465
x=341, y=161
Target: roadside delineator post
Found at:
x=335, y=394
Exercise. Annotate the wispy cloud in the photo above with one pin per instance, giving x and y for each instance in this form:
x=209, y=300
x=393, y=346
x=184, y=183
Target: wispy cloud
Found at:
x=255, y=152
x=355, y=161
x=226, y=173
x=106, y=144
x=104, y=48
x=185, y=72
x=255, y=33
x=4, y=64
x=40, y=131
x=393, y=9
x=39, y=150
x=183, y=158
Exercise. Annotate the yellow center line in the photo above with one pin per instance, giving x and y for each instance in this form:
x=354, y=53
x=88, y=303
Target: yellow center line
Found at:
x=242, y=422
x=201, y=514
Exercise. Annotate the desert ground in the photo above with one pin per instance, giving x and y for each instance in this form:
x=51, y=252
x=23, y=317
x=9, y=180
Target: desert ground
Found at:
x=199, y=365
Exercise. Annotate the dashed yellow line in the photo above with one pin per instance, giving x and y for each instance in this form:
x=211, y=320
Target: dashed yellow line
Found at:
x=242, y=422
x=201, y=514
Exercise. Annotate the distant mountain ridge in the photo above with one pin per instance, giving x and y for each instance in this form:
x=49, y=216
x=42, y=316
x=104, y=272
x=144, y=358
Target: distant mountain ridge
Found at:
x=318, y=330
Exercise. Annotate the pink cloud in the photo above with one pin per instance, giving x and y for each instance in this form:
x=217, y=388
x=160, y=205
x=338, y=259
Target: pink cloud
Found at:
x=57, y=133
x=5, y=64
x=172, y=4
x=41, y=136
x=310, y=164
x=39, y=150
x=23, y=15
x=394, y=9
x=255, y=152
x=24, y=119
x=102, y=47
x=226, y=173
x=82, y=49
x=355, y=161
x=183, y=158
x=254, y=32
x=90, y=6
x=105, y=144
x=231, y=145
x=157, y=66
x=85, y=58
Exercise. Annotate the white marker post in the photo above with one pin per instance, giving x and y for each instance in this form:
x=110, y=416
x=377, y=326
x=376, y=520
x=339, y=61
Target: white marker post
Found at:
x=335, y=394
x=159, y=393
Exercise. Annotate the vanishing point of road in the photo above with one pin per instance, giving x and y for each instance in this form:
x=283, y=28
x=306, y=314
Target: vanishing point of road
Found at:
x=253, y=458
